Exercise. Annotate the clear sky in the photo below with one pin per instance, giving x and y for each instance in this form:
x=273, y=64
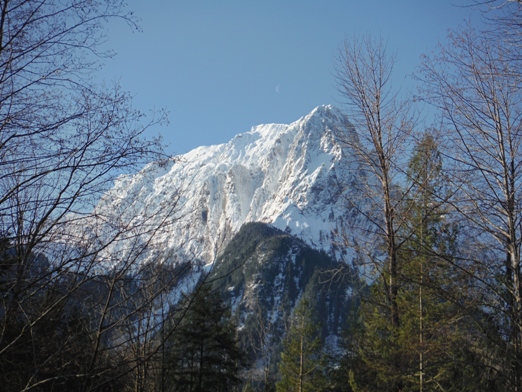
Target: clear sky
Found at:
x=221, y=67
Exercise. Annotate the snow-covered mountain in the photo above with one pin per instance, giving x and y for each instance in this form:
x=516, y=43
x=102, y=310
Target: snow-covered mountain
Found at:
x=296, y=177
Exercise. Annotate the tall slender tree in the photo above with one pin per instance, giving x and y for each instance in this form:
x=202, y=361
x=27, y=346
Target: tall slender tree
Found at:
x=383, y=124
x=302, y=361
x=431, y=342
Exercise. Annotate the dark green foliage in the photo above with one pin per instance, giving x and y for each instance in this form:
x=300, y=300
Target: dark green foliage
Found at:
x=432, y=334
x=203, y=354
x=302, y=361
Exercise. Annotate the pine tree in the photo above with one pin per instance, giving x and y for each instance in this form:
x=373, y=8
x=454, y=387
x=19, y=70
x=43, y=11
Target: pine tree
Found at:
x=203, y=353
x=436, y=323
x=301, y=360
x=430, y=343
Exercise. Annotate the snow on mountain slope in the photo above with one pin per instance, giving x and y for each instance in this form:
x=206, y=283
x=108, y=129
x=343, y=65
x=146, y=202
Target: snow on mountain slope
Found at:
x=291, y=176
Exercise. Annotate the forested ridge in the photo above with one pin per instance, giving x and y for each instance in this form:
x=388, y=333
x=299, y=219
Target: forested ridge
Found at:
x=429, y=300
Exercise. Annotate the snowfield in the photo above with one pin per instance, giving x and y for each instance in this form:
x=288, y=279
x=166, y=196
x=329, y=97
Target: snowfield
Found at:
x=297, y=177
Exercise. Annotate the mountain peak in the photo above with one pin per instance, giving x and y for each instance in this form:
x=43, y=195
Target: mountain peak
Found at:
x=286, y=175
x=324, y=110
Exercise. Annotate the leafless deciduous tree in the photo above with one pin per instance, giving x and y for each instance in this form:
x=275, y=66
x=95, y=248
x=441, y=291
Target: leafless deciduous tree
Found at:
x=478, y=89
x=382, y=126
x=503, y=21
x=63, y=142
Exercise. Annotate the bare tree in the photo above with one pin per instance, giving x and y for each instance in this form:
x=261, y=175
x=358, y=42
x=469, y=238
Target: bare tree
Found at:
x=63, y=143
x=379, y=141
x=502, y=22
x=478, y=91
x=382, y=126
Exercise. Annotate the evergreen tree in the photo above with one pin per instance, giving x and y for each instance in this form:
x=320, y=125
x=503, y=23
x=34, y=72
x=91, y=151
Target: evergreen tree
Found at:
x=302, y=362
x=430, y=344
x=203, y=353
x=435, y=298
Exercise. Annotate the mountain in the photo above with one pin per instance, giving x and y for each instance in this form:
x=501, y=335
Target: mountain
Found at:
x=262, y=274
x=296, y=177
x=259, y=217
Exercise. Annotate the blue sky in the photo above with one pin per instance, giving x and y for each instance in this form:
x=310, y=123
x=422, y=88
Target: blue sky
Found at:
x=221, y=67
